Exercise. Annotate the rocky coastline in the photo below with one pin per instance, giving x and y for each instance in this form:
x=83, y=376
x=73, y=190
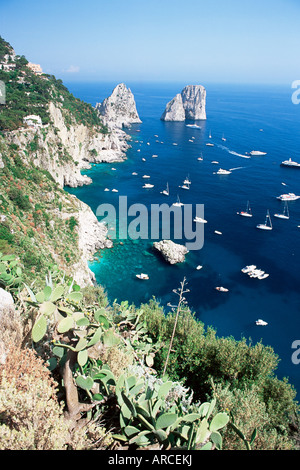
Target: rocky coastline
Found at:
x=172, y=252
x=190, y=104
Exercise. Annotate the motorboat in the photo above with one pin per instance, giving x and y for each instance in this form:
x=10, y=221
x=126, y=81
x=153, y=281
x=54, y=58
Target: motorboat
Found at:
x=142, y=276
x=166, y=191
x=222, y=289
x=185, y=186
x=146, y=176
x=106, y=189
x=223, y=172
x=114, y=190
x=223, y=138
x=210, y=145
x=261, y=322
x=285, y=214
x=200, y=220
x=217, y=232
x=154, y=156
x=193, y=126
x=290, y=163
x=263, y=276
x=268, y=223
x=134, y=173
x=247, y=212
x=257, y=153
x=148, y=186
x=199, y=267
x=214, y=162
x=288, y=197
x=249, y=269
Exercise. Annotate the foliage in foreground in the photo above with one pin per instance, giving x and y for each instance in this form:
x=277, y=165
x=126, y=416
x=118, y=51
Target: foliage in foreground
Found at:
x=100, y=389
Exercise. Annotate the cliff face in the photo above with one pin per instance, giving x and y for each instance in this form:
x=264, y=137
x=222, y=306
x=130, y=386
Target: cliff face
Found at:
x=64, y=149
x=119, y=109
x=189, y=104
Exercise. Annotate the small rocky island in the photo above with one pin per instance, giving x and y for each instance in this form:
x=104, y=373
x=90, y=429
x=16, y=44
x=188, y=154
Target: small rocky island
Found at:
x=119, y=109
x=190, y=104
x=172, y=252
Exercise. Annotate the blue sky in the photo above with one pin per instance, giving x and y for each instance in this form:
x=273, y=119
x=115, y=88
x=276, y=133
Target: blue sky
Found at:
x=237, y=41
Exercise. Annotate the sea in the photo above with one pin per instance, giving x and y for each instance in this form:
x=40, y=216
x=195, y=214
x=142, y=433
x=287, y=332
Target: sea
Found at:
x=240, y=119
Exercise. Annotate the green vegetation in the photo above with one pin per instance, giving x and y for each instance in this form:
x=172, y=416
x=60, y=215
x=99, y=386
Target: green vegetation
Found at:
x=79, y=373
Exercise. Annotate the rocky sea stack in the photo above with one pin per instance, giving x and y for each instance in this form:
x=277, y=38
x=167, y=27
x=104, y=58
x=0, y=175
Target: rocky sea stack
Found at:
x=172, y=252
x=119, y=109
x=189, y=104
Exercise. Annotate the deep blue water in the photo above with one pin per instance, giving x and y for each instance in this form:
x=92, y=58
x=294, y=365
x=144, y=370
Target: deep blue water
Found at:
x=250, y=118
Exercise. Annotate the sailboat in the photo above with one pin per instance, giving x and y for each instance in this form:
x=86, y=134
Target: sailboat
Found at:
x=223, y=138
x=166, y=191
x=178, y=203
x=285, y=214
x=268, y=223
x=247, y=212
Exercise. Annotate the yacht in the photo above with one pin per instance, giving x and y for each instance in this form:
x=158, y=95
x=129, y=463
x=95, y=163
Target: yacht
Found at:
x=257, y=153
x=199, y=267
x=210, y=145
x=285, y=214
x=261, y=322
x=288, y=197
x=247, y=212
x=249, y=269
x=200, y=220
x=217, y=232
x=148, y=186
x=142, y=276
x=193, y=126
x=178, y=203
x=222, y=289
x=223, y=172
x=268, y=223
x=166, y=191
x=290, y=163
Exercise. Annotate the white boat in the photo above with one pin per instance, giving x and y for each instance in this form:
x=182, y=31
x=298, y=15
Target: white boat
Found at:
x=187, y=180
x=263, y=276
x=200, y=158
x=106, y=189
x=223, y=172
x=290, y=163
x=200, y=220
x=247, y=212
x=193, y=126
x=115, y=190
x=166, y=191
x=288, y=197
x=223, y=138
x=148, y=186
x=142, y=276
x=199, y=267
x=285, y=214
x=143, y=159
x=209, y=134
x=261, y=322
x=210, y=145
x=146, y=176
x=222, y=289
x=134, y=173
x=257, y=153
x=178, y=203
x=268, y=223
x=217, y=232
x=249, y=269
x=185, y=186
x=154, y=156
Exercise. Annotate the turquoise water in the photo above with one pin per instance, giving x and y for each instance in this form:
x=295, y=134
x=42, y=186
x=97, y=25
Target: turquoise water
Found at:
x=250, y=118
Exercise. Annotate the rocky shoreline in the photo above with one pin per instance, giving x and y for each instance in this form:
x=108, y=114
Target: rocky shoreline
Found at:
x=172, y=252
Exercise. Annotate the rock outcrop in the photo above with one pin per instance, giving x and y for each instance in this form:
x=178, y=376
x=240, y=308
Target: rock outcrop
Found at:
x=172, y=252
x=119, y=109
x=189, y=104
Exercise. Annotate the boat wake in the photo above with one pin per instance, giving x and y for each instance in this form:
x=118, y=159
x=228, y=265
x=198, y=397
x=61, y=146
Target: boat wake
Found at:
x=232, y=151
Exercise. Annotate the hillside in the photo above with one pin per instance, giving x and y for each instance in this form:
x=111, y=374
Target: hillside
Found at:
x=76, y=372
